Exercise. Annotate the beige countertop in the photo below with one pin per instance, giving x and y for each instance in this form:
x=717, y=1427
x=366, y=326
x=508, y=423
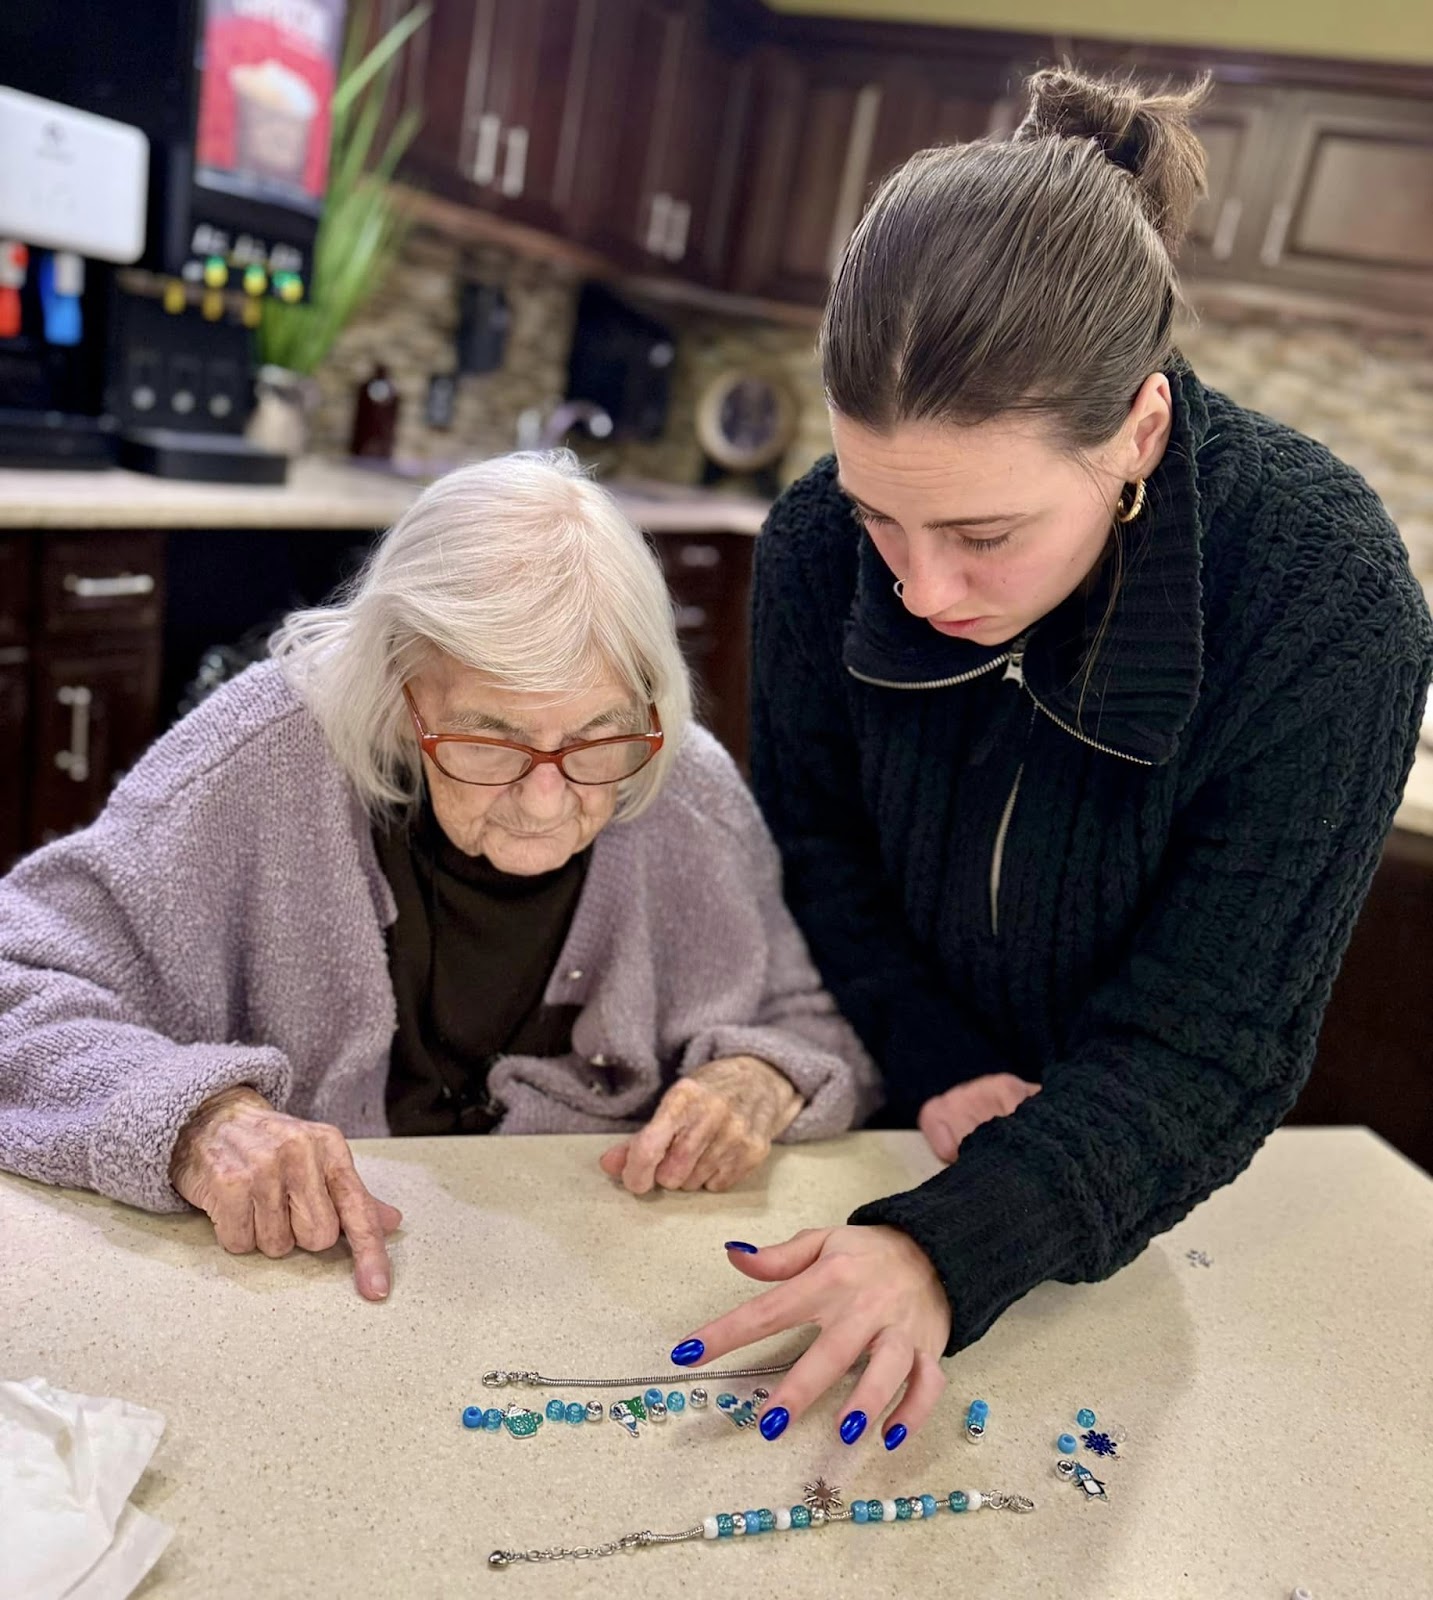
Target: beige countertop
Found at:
x=320, y=493
x=1275, y=1400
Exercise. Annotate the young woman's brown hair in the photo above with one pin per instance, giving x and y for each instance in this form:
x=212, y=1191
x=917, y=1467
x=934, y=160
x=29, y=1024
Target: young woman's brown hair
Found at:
x=1032, y=274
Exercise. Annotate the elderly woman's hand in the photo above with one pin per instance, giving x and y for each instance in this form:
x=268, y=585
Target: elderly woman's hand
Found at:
x=710, y=1130
x=946, y=1119
x=271, y=1181
x=871, y=1291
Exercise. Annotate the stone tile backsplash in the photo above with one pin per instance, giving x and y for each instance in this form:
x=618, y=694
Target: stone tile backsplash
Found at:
x=1367, y=395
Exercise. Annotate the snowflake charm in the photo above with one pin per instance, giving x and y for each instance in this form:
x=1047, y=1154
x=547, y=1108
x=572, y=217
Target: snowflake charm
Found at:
x=1100, y=1443
x=822, y=1496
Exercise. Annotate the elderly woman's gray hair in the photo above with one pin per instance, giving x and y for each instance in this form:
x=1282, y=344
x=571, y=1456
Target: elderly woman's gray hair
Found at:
x=520, y=567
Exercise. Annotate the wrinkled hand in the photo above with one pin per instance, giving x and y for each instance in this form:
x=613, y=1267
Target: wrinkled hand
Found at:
x=711, y=1129
x=947, y=1118
x=871, y=1291
x=269, y=1182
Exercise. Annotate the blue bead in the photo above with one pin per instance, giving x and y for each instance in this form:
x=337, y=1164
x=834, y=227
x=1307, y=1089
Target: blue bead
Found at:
x=676, y=1402
x=723, y=1524
x=753, y=1522
x=1067, y=1444
x=576, y=1413
x=877, y=1510
x=768, y=1520
x=492, y=1419
x=979, y=1411
x=860, y=1511
x=959, y=1500
x=1085, y=1417
x=928, y=1505
x=653, y=1397
x=801, y=1516
x=556, y=1410
x=903, y=1509
x=472, y=1416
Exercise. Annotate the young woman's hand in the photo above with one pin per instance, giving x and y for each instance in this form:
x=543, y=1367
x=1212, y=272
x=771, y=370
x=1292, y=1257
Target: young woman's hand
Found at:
x=946, y=1119
x=711, y=1129
x=269, y=1182
x=870, y=1291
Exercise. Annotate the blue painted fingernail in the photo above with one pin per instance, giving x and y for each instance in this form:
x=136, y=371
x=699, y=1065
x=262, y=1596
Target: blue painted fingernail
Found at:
x=895, y=1437
x=853, y=1425
x=773, y=1422
x=687, y=1352
x=736, y=1244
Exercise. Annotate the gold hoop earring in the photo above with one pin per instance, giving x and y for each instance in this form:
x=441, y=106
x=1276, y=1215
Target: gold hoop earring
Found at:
x=1135, y=506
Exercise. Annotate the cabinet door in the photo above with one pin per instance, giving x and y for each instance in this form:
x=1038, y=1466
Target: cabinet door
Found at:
x=14, y=741
x=709, y=576
x=1352, y=212
x=1237, y=127
x=101, y=583
x=15, y=596
x=813, y=158
x=94, y=713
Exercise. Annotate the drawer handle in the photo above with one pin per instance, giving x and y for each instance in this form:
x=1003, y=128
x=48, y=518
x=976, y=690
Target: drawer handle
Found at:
x=76, y=760
x=702, y=556
x=1276, y=233
x=125, y=586
x=1227, y=228
x=485, y=158
x=690, y=618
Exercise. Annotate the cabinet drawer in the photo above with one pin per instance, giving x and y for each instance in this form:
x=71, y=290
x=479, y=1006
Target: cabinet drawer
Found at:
x=104, y=581
x=14, y=588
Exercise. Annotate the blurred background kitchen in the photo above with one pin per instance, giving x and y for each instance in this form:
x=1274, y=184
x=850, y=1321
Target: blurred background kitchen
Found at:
x=266, y=266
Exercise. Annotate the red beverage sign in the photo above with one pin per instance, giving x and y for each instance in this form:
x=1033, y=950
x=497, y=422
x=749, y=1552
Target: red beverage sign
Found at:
x=267, y=72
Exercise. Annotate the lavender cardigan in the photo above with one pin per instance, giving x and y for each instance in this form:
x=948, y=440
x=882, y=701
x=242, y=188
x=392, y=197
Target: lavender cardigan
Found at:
x=223, y=923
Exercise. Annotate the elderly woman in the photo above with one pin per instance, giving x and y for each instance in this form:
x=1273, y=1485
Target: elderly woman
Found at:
x=455, y=861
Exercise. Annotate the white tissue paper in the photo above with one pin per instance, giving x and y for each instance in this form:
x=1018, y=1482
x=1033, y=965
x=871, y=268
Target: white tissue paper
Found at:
x=67, y=1465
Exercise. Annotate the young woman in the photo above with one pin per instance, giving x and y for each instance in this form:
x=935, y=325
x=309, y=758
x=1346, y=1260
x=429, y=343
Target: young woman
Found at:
x=1083, y=701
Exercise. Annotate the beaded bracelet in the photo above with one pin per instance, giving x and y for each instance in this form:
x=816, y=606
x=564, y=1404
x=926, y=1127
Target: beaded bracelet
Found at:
x=821, y=1504
x=651, y=1406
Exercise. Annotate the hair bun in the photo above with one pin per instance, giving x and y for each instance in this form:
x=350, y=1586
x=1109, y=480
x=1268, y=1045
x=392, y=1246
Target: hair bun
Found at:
x=1148, y=134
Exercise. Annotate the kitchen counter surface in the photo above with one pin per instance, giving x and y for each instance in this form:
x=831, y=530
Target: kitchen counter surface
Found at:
x=320, y=493
x=1263, y=1356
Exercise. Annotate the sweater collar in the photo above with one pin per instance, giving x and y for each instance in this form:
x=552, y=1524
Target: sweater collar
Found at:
x=1139, y=694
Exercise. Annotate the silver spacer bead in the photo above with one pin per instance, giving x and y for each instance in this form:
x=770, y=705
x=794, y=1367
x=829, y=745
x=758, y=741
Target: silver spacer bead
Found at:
x=498, y=1558
x=760, y=1395
x=1065, y=1467
x=974, y=1432
x=818, y=1516
x=657, y=1411
x=595, y=1413
x=697, y=1398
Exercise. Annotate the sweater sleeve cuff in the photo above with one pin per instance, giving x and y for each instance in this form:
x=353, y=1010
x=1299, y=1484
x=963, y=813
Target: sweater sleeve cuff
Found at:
x=131, y=1148
x=992, y=1230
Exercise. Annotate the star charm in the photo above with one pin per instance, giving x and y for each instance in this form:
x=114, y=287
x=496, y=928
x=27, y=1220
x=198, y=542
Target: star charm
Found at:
x=822, y=1496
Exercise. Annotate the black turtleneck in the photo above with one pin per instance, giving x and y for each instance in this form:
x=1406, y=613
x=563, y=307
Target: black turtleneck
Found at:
x=470, y=955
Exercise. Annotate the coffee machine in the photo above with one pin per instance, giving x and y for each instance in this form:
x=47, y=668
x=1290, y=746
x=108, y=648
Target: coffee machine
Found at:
x=204, y=126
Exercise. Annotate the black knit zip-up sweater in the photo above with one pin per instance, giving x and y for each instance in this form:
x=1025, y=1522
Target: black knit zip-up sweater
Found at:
x=1132, y=882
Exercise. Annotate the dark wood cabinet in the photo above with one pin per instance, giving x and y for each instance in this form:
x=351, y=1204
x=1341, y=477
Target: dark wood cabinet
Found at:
x=1236, y=128
x=709, y=575
x=16, y=598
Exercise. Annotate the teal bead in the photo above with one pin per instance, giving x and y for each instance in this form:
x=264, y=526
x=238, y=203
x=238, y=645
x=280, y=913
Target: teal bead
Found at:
x=492, y=1419
x=653, y=1397
x=877, y=1509
x=860, y=1512
x=723, y=1524
x=768, y=1520
x=1067, y=1444
x=1085, y=1417
x=928, y=1505
x=959, y=1500
x=676, y=1402
x=576, y=1412
x=556, y=1410
x=903, y=1509
x=801, y=1516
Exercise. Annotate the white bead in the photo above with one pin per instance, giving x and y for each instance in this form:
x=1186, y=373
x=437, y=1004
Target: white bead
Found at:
x=783, y=1519
x=1301, y=1593
x=709, y=1528
x=976, y=1499
x=738, y=1523
x=890, y=1506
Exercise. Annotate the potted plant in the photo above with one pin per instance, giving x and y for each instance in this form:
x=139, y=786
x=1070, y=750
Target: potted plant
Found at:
x=359, y=236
